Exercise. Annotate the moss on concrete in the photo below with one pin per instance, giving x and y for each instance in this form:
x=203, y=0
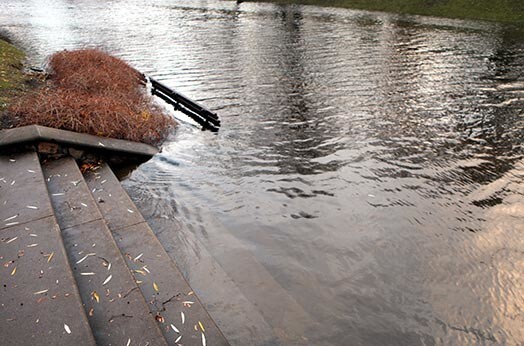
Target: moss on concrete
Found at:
x=507, y=11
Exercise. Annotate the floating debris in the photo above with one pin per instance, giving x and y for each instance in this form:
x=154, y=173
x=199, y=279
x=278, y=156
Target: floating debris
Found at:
x=203, y=340
x=130, y=211
x=50, y=256
x=12, y=223
x=11, y=218
x=41, y=292
x=83, y=204
x=58, y=194
x=75, y=183
x=178, y=339
x=13, y=272
x=11, y=240
x=160, y=318
x=137, y=257
x=85, y=257
x=107, y=280
x=95, y=295
x=103, y=181
x=33, y=235
x=183, y=317
x=128, y=342
x=201, y=326
x=101, y=144
x=32, y=245
x=175, y=328
x=155, y=286
x=12, y=160
x=31, y=171
x=87, y=274
x=67, y=329
x=32, y=207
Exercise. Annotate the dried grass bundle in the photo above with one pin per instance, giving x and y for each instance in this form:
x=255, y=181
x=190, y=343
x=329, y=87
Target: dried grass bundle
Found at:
x=92, y=92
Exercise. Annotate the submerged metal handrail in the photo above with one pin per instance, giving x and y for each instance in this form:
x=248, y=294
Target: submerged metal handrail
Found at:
x=207, y=119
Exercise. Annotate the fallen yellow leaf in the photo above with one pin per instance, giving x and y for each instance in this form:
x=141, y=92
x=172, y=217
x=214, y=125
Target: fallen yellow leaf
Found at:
x=96, y=296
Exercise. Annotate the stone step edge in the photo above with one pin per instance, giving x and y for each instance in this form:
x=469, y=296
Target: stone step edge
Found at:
x=99, y=219
x=108, y=176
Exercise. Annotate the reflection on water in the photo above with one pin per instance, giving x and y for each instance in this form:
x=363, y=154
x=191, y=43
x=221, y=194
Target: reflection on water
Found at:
x=366, y=186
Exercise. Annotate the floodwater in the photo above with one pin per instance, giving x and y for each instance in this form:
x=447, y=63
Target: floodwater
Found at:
x=367, y=184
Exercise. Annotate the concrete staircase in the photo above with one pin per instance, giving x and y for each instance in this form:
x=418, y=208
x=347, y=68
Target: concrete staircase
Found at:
x=81, y=265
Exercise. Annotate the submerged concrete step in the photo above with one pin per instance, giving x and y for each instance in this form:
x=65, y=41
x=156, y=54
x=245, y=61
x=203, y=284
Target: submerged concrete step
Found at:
x=180, y=313
x=213, y=251
x=221, y=296
x=117, y=311
x=40, y=303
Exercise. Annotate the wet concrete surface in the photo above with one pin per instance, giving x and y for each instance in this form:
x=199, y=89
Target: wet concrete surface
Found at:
x=170, y=298
x=116, y=309
x=40, y=303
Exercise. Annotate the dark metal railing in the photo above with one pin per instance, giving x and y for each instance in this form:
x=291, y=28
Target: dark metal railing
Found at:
x=207, y=119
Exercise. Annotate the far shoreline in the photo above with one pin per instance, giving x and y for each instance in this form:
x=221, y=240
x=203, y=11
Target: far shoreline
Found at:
x=485, y=10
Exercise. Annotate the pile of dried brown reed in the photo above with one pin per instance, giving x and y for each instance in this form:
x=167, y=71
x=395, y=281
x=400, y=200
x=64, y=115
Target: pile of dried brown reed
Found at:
x=92, y=92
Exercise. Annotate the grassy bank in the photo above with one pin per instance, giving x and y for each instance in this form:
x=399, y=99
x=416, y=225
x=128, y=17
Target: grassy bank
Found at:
x=507, y=11
x=12, y=78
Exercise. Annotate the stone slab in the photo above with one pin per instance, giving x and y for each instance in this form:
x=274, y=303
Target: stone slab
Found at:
x=73, y=203
x=23, y=193
x=117, y=312
x=114, y=203
x=39, y=295
x=162, y=284
x=35, y=133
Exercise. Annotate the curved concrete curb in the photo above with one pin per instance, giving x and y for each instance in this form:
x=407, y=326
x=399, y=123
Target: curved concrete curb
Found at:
x=17, y=137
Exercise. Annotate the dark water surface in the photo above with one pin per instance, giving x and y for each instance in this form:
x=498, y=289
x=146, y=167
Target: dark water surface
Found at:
x=367, y=184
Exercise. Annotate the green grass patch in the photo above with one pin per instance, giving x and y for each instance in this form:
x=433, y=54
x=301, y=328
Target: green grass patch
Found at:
x=12, y=77
x=506, y=11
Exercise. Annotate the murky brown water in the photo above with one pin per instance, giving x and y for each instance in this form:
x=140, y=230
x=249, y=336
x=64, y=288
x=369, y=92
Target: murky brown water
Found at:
x=367, y=184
